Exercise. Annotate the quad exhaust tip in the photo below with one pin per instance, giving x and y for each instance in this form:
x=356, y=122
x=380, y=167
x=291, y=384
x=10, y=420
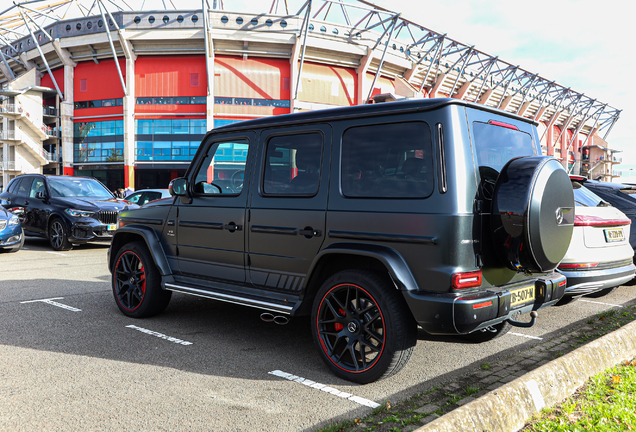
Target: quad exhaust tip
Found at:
x=278, y=319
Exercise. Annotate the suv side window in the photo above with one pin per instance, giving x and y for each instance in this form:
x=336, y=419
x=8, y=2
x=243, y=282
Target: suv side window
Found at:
x=223, y=167
x=292, y=164
x=37, y=186
x=25, y=186
x=13, y=185
x=387, y=161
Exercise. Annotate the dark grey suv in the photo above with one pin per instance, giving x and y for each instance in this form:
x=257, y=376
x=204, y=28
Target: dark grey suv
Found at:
x=372, y=219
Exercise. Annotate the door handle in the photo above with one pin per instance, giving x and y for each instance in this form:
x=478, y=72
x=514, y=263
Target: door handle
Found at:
x=26, y=203
x=310, y=232
x=232, y=227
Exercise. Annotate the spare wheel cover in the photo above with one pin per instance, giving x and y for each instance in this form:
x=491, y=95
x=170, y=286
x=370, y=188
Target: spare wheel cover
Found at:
x=533, y=214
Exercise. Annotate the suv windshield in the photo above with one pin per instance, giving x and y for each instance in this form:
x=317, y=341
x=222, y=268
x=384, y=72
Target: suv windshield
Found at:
x=585, y=197
x=78, y=187
x=497, y=144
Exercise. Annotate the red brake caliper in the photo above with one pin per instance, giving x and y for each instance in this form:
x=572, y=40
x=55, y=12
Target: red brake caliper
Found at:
x=339, y=326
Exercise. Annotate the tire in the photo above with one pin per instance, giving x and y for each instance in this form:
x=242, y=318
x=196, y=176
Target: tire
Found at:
x=603, y=292
x=136, y=282
x=532, y=214
x=58, y=235
x=488, y=335
x=362, y=327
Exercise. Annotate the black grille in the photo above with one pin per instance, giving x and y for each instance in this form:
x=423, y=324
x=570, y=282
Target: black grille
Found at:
x=107, y=217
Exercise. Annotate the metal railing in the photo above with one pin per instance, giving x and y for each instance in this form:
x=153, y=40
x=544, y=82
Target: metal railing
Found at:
x=9, y=166
x=10, y=109
x=49, y=111
x=7, y=135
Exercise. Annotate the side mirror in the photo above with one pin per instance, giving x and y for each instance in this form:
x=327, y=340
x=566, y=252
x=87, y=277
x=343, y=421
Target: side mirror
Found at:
x=40, y=196
x=178, y=187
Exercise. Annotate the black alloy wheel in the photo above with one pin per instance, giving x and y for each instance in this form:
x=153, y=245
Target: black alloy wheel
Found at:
x=136, y=283
x=58, y=238
x=362, y=326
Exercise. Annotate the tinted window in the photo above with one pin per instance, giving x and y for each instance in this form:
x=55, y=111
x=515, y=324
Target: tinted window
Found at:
x=387, y=161
x=25, y=187
x=292, y=165
x=37, y=186
x=496, y=145
x=78, y=187
x=133, y=198
x=13, y=185
x=224, y=167
x=585, y=197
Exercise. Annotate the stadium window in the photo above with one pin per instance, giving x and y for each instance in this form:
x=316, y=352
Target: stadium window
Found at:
x=239, y=20
x=283, y=23
x=269, y=23
x=165, y=19
x=224, y=19
x=89, y=25
x=195, y=18
x=151, y=19
x=100, y=23
x=180, y=19
x=68, y=27
x=137, y=20
x=194, y=80
x=78, y=26
x=254, y=21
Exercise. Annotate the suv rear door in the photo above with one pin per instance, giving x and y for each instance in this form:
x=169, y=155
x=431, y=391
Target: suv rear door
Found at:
x=288, y=205
x=211, y=228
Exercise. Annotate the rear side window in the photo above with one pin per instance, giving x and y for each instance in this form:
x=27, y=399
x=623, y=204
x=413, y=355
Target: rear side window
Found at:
x=387, y=161
x=13, y=185
x=292, y=164
x=496, y=144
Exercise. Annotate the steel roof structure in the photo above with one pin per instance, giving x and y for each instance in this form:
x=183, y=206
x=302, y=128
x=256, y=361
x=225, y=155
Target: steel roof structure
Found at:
x=430, y=62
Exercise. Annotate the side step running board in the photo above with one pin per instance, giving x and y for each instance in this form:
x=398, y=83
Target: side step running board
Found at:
x=284, y=309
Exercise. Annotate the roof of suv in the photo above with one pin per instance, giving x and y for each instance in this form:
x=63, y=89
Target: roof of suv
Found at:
x=364, y=110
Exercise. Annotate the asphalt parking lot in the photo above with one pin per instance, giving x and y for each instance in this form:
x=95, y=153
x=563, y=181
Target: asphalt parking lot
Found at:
x=70, y=360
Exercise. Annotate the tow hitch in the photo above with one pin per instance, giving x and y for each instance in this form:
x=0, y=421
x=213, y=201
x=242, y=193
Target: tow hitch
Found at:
x=533, y=319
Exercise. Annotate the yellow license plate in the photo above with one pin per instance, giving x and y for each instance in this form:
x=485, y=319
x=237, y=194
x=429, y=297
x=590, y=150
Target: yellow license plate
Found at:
x=521, y=295
x=112, y=227
x=614, y=235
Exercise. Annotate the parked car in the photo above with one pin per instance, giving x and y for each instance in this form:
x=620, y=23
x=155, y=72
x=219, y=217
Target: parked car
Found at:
x=371, y=219
x=65, y=209
x=621, y=196
x=599, y=258
x=146, y=195
x=11, y=235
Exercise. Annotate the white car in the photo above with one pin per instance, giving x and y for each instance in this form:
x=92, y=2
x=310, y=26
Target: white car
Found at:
x=599, y=258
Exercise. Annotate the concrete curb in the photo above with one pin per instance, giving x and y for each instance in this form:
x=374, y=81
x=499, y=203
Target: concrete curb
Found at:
x=509, y=407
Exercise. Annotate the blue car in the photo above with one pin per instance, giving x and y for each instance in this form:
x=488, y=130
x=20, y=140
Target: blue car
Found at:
x=11, y=235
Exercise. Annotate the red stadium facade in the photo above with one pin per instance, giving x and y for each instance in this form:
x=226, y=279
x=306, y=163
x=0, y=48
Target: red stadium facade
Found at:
x=69, y=108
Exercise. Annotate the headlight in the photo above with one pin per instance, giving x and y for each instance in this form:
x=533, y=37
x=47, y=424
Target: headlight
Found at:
x=3, y=224
x=14, y=220
x=79, y=213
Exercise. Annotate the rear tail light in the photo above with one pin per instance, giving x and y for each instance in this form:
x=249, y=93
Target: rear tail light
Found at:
x=466, y=280
x=582, y=220
x=502, y=124
x=482, y=305
x=585, y=265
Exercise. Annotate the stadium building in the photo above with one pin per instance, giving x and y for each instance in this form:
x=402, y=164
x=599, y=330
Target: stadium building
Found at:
x=125, y=94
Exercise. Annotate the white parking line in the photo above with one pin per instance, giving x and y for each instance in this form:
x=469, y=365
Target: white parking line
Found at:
x=54, y=303
x=56, y=253
x=326, y=389
x=525, y=336
x=159, y=335
x=601, y=303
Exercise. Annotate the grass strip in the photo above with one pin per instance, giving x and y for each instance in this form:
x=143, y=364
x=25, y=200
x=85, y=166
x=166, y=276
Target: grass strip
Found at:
x=607, y=402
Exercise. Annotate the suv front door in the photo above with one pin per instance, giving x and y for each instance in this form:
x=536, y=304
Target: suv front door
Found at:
x=288, y=206
x=211, y=228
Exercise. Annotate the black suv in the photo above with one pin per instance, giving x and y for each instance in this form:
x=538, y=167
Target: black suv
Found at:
x=372, y=219
x=65, y=209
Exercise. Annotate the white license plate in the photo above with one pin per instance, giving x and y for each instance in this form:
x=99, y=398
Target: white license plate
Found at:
x=112, y=227
x=521, y=295
x=614, y=235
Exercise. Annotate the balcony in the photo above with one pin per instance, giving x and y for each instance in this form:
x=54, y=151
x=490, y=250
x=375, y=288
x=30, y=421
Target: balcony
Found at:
x=49, y=111
x=11, y=110
x=617, y=159
x=10, y=166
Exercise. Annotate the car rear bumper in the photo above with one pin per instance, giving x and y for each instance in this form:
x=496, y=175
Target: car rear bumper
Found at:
x=462, y=313
x=589, y=281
